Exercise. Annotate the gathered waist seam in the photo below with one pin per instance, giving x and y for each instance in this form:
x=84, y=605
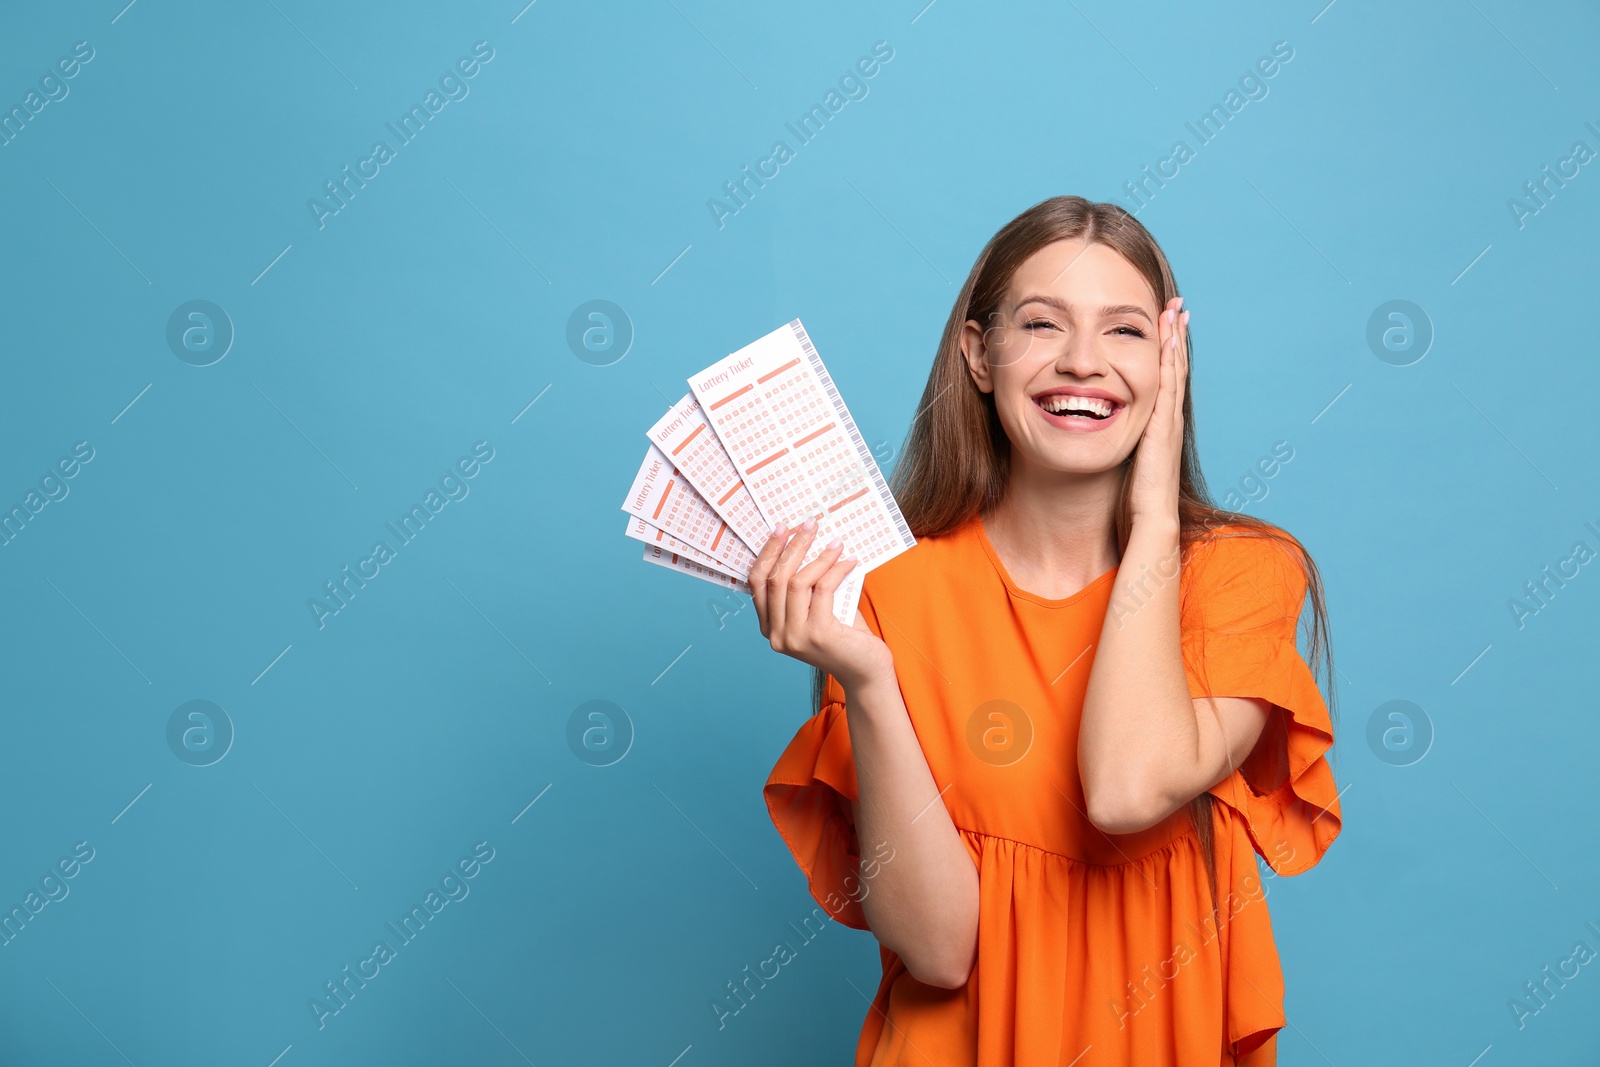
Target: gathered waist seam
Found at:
x=1187, y=832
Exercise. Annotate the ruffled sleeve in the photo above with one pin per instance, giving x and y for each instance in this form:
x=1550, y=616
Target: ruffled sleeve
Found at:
x=1241, y=608
x=805, y=797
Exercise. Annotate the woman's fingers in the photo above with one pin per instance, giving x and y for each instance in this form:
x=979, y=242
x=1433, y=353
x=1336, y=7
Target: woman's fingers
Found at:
x=774, y=588
x=1164, y=389
x=804, y=590
x=828, y=583
x=1170, y=373
x=820, y=610
x=1180, y=363
x=1166, y=401
x=1183, y=354
x=783, y=590
x=1168, y=331
x=778, y=581
x=765, y=559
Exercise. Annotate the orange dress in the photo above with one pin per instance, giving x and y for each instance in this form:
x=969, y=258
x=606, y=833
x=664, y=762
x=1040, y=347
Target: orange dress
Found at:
x=1092, y=948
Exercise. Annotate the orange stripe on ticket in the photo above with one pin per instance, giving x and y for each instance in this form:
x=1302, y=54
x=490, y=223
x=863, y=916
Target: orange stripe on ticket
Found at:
x=717, y=540
x=662, y=502
x=729, y=494
x=846, y=500
x=814, y=433
x=757, y=466
x=737, y=392
x=685, y=442
x=774, y=373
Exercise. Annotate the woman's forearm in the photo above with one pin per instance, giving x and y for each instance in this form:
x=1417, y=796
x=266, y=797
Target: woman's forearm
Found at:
x=1138, y=717
x=923, y=906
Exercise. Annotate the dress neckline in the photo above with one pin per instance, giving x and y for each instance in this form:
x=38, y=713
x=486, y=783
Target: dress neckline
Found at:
x=1016, y=590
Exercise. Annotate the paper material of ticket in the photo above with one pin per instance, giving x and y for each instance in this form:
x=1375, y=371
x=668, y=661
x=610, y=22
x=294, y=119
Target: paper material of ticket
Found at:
x=686, y=436
x=666, y=558
x=783, y=423
x=664, y=498
x=640, y=530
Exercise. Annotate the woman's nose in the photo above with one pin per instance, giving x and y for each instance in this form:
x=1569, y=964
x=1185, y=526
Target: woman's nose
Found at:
x=1078, y=354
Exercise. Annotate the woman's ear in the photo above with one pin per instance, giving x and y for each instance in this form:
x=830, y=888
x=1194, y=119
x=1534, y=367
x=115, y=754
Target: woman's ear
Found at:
x=977, y=359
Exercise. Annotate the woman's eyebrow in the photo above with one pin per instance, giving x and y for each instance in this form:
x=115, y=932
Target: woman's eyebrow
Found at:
x=1108, y=311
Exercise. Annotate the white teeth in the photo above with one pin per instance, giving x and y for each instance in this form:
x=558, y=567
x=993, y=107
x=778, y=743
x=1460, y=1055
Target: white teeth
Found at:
x=1063, y=403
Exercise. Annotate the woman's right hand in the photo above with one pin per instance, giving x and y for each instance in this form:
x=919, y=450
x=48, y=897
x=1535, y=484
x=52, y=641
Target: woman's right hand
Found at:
x=794, y=605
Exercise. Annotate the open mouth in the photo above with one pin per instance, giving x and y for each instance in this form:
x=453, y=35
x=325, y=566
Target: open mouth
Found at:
x=1071, y=409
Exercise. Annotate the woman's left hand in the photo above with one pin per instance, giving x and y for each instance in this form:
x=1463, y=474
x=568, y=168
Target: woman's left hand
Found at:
x=1153, y=494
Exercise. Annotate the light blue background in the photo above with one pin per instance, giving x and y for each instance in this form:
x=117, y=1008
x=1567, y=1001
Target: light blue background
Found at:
x=426, y=316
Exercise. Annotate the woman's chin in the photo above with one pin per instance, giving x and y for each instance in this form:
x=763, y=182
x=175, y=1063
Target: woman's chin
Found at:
x=1080, y=462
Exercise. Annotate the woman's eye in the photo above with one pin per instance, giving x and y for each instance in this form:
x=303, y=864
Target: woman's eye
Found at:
x=1039, y=322
x=1130, y=331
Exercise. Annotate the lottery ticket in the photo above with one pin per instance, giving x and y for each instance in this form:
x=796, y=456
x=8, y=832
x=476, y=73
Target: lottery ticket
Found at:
x=665, y=558
x=783, y=423
x=640, y=530
x=664, y=498
x=687, y=438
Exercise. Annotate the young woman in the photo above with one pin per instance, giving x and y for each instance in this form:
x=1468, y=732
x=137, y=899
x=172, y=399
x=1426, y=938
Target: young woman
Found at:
x=1012, y=779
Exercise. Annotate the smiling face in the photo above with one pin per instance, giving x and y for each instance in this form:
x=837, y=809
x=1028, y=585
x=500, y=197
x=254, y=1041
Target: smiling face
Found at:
x=1071, y=358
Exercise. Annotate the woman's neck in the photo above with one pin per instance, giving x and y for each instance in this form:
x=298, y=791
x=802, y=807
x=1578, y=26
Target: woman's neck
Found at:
x=1056, y=532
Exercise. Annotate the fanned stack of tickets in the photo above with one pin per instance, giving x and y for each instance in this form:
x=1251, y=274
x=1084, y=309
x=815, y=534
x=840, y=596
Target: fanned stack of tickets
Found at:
x=762, y=437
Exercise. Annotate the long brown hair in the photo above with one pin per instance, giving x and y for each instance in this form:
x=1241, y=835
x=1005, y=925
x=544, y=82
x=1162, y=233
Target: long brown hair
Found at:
x=956, y=456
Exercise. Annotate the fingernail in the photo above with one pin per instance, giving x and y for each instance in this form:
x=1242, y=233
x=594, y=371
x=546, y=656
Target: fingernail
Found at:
x=779, y=530
x=1180, y=302
x=809, y=525
x=835, y=543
